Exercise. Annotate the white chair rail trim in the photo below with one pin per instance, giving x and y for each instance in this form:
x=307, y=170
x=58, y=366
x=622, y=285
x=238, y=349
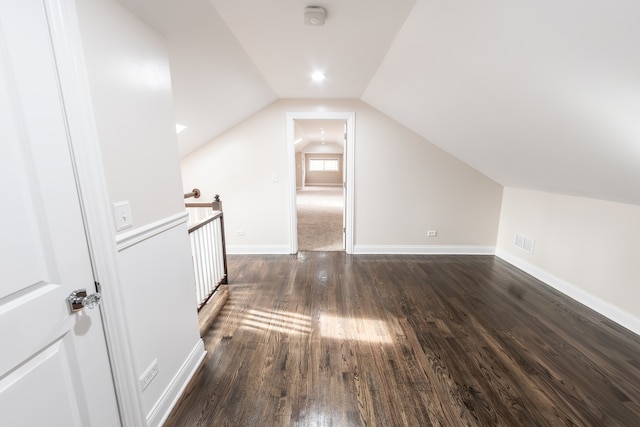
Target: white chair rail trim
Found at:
x=137, y=235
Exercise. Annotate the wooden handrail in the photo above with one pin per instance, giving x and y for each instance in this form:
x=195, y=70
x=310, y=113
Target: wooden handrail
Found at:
x=195, y=193
x=216, y=205
x=206, y=221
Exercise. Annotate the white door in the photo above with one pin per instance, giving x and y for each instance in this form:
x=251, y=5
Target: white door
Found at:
x=54, y=367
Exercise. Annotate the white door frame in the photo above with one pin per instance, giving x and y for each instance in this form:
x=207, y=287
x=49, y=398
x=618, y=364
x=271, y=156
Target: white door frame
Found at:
x=349, y=153
x=94, y=200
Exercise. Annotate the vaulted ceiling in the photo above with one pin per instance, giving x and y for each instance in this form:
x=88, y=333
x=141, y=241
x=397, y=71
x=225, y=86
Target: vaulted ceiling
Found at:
x=540, y=94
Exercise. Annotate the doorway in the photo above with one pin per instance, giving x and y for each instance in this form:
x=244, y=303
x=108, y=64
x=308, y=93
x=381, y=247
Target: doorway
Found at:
x=319, y=146
x=320, y=149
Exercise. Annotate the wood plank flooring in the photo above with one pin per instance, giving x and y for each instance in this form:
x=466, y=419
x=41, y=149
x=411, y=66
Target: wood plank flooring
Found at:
x=329, y=339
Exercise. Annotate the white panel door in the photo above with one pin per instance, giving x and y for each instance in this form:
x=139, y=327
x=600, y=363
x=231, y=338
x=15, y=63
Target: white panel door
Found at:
x=54, y=368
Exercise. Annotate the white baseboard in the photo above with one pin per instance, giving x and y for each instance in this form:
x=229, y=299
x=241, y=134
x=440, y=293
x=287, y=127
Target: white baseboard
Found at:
x=423, y=250
x=370, y=249
x=258, y=250
x=161, y=410
x=595, y=303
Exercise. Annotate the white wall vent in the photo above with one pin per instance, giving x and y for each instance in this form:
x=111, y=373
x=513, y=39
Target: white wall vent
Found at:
x=524, y=243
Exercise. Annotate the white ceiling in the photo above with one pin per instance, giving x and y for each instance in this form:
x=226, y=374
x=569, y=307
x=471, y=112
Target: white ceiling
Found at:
x=315, y=133
x=348, y=48
x=537, y=93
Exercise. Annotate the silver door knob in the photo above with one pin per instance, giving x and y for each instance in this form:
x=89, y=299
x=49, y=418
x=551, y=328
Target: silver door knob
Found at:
x=79, y=300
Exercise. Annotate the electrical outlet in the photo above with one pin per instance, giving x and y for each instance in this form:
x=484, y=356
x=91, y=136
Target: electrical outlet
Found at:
x=240, y=232
x=432, y=233
x=149, y=374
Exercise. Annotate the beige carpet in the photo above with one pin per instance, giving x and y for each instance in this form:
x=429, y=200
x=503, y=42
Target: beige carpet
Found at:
x=320, y=218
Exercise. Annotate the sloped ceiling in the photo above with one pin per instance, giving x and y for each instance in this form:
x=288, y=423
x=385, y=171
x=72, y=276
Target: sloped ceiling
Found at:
x=215, y=83
x=310, y=133
x=539, y=94
x=536, y=94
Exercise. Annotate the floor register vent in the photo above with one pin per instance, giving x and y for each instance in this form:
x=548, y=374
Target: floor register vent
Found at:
x=524, y=243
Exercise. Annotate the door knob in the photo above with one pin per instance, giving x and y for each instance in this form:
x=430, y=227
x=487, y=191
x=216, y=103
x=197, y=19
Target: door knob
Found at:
x=79, y=300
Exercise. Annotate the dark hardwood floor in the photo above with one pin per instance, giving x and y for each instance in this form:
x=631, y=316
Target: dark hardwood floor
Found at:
x=328, y=339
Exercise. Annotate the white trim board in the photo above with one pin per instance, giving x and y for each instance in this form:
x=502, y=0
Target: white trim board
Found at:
x=159, y=413
x=140, y=234
x=94, y=199
x=595, y=303
x=423, y=250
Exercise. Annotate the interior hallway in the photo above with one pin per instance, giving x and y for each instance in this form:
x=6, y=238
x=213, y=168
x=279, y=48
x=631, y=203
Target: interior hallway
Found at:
x=329, y=339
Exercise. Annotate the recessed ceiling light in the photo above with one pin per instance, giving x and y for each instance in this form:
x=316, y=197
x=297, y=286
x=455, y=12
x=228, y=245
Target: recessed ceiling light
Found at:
x=180, y=128
x=318, y=76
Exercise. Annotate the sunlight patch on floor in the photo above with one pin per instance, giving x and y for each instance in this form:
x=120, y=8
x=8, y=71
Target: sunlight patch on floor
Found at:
x=368, y=330
x=289, y=323
x=334, y=327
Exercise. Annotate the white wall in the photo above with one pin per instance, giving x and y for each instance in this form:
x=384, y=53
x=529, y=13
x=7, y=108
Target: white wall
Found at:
x=131, y=88
x=211, y=73
x=586, y=248
x=404, y=185
x=128, y=72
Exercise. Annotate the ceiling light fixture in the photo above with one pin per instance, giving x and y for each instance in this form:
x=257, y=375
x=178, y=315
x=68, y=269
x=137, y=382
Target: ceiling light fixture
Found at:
x=314, y=15
x=318, y=76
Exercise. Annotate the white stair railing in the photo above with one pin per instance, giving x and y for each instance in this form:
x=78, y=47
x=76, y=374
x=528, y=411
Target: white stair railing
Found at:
x=208, y=248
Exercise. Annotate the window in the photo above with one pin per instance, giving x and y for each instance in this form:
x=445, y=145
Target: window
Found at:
x=324, y=165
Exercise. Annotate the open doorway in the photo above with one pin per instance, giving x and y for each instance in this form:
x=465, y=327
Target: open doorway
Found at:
x=319, y=147
x=321, y=177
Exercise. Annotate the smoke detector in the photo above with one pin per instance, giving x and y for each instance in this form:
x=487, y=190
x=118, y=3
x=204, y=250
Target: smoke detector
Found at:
x=314, y=15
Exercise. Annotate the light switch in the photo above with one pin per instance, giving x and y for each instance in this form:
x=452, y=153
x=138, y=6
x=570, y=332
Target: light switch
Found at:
x=275, y=177
x=122, y=214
